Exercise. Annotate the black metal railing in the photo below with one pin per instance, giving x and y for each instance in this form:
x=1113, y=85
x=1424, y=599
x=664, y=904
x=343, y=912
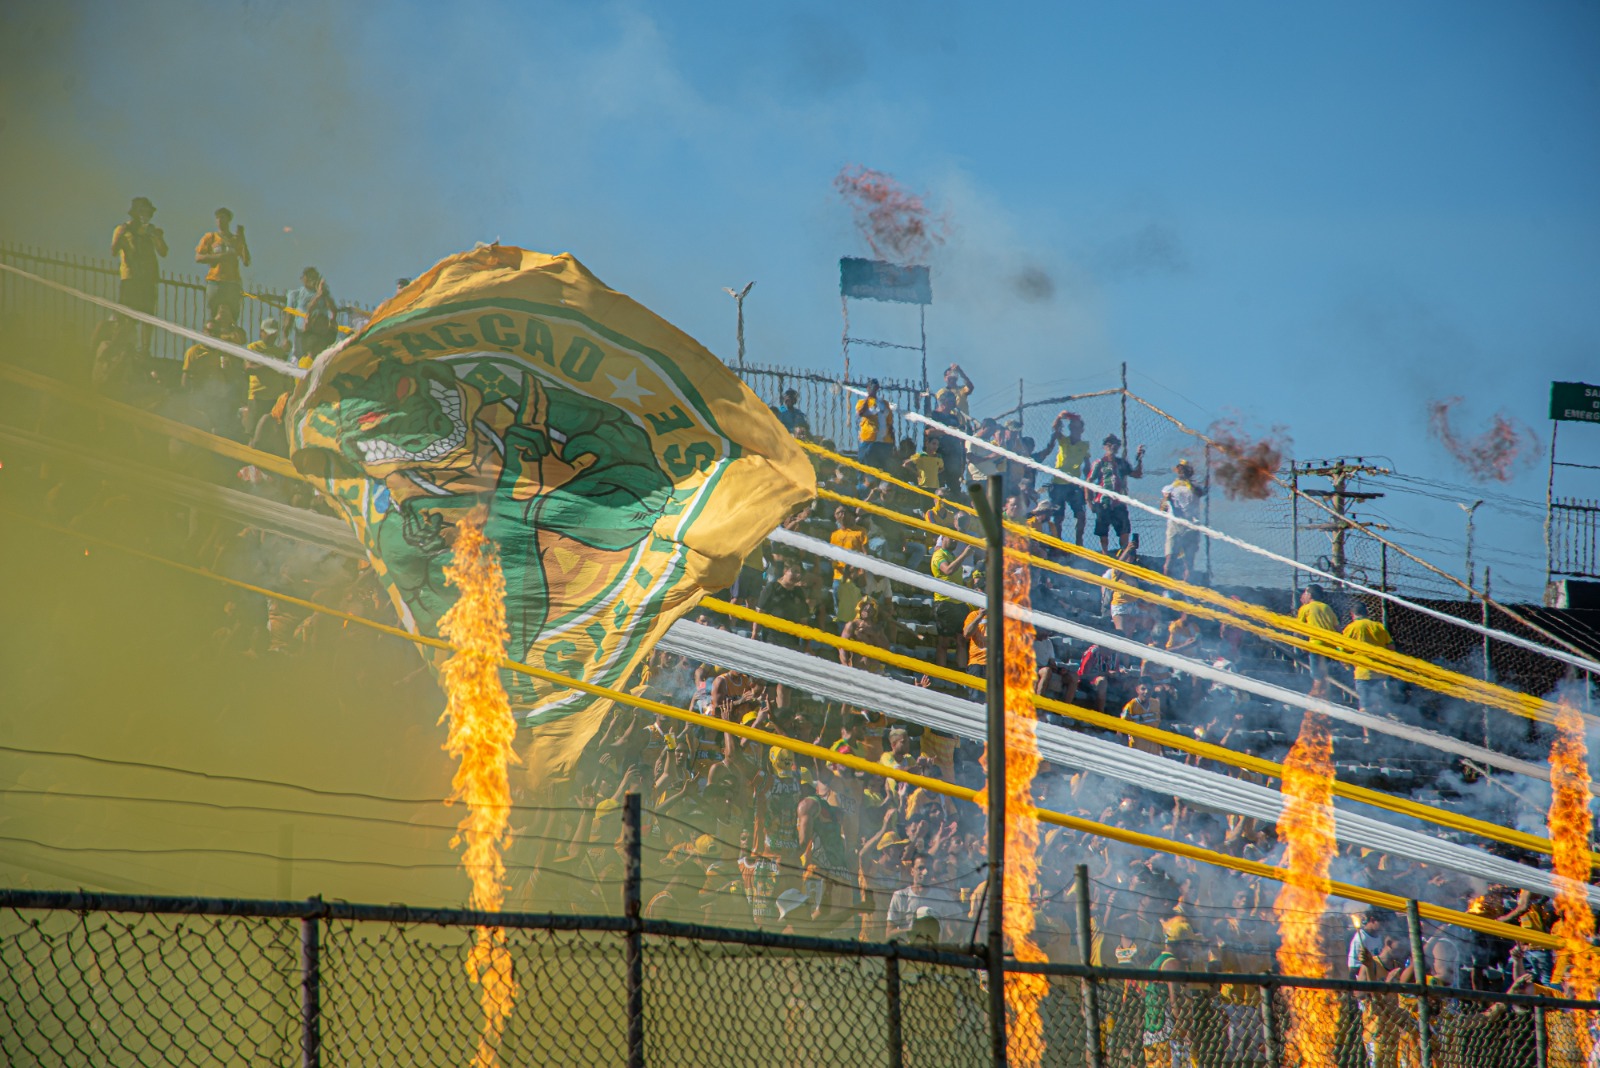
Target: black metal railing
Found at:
x=180, y=298
x=829, y=406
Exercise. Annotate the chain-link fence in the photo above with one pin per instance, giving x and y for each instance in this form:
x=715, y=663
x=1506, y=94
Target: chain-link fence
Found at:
x=112, y=980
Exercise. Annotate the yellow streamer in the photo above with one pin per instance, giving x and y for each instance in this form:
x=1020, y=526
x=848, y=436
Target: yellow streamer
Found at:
x=1207, y=750
x=1284, y=630
x=281, y=466
x=1347, y=891
x=296, y=312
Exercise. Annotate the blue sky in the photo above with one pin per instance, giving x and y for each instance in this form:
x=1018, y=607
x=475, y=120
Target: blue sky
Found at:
x=1321, y=216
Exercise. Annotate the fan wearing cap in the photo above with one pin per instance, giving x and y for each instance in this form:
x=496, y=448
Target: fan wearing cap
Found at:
x=777, y=795
x=139, y=247
x=1314, y=612
x=265, y=385
x=1180, y=499
x=1167, y=1013
x=957, y=389
x=1042, y=518
x=1071, y=458
x=1111, y=472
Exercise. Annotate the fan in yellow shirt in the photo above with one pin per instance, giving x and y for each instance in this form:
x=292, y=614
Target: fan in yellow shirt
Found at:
x=849, y=535
x=1314, y=612
x=1368, y=631
x=877, y=429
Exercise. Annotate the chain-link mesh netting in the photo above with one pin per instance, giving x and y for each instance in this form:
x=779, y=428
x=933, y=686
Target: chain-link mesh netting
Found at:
x=402, y=995
x=116, y=988
x=714, y=1003
x=82, y=988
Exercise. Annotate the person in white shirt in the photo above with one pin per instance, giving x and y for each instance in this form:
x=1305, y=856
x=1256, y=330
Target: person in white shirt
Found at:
x=1368, y=940
x=1180, y=499
x=905, y=904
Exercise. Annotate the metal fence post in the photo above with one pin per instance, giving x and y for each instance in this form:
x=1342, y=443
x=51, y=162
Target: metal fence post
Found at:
x=989, y=502
x=1419, y=973
x=632, y=880
x=311, y=985
x=1269, y=1026
x=1541, y=1050
x=891, y=980
x=1091, y=985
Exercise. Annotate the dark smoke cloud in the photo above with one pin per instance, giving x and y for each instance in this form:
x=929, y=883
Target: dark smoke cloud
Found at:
x=1154, y=249
x=823, y=56
x=1034, y=284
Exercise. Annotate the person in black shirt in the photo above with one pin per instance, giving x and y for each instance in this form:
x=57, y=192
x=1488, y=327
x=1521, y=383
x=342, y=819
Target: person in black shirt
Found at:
x=785, y=599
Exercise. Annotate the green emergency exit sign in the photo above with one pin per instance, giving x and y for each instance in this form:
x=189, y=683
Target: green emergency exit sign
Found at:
x=1577, y=402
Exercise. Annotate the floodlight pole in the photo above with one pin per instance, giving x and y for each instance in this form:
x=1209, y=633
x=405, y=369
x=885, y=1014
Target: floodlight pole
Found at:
x=990, y=508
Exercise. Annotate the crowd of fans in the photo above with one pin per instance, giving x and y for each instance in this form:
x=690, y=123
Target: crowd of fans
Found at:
x=742, y=834
x=752, y=835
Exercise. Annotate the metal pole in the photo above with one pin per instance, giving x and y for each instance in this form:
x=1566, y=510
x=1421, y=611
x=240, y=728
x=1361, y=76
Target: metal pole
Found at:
x=311, y=986
x=1549, y=501
x=633, y=877
x=891, y=975
x=989, y=506
x=738, y=296
x=1091, y=985
x=1383, y=582
x=922, y=330
x=1125, y=449
x=1269, y=1025
x=1419, y=972
x=1487, y=673
x=1470, y=509
x=1541, y=1048
x=1294, y=529
x=1210, y=579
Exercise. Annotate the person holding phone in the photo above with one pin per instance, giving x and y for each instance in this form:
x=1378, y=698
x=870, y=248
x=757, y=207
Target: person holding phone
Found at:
x=224, y=251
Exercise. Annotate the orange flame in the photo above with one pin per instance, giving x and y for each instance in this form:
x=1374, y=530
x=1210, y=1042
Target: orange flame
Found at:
x=1571, y=824
x=1025, y=1045
x=480, y=737
x=1307, y=826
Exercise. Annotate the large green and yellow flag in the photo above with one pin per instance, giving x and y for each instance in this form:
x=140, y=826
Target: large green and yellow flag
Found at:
x=625, y=471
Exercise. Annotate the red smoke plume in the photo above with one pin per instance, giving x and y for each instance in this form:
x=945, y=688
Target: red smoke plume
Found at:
x=1494, y=455
x=895, y=223
x=1244, y=465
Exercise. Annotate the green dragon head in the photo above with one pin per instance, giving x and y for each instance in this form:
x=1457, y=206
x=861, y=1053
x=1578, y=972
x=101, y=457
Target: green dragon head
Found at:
x=402, y=415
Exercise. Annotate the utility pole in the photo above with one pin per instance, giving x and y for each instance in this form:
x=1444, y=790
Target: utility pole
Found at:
x=738, y=296
x=1338, y=471
x=1469, y=509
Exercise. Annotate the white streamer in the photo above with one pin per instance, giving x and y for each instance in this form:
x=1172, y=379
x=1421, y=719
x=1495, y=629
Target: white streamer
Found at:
x=290, y=369
x=1197, y=668
x=1028, y=461
x=1060, y=745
